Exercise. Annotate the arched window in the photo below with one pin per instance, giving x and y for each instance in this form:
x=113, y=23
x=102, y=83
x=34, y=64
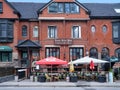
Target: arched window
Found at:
x=117, y=53
x=24, y=30
x=35, y=31
x=104, y=53
x=104, y=29
x=93, y=29
x=94, y=52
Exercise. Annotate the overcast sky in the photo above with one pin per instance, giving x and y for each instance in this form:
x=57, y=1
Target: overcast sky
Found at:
x=82, y=1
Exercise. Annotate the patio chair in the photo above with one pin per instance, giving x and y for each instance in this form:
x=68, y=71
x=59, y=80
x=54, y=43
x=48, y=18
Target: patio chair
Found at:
x=48, y=78
x=56, y=78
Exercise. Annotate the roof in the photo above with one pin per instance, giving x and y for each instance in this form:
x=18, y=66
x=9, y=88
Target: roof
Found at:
x=98, y=10
x=28, y=43
x=28, y=10
x=103, y=9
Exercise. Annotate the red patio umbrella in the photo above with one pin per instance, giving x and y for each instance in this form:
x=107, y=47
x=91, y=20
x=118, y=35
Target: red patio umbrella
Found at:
x=51, y=61
x=92, y=65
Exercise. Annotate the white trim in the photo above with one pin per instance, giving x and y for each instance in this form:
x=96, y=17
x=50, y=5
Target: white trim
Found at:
x=53, y=18
x=61, y=18
x=77, y=46
x=52, y=46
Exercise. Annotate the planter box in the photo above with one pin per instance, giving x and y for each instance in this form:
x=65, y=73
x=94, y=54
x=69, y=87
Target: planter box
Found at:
x=73, y=79
x=101, y=79
x=41, y=78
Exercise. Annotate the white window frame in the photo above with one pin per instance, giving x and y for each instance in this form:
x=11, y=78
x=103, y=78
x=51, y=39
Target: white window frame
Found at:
x=79, y=31
x=53, y=32
x=35, y=31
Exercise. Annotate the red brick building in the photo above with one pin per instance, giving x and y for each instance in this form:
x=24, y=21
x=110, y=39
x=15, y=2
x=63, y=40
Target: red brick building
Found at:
x=66, y=29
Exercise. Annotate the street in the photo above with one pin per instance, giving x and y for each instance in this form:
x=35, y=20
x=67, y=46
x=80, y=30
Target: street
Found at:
x=59, y=88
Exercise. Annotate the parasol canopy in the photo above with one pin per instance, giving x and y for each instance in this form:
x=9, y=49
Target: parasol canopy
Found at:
x=51, y=61
x=87, y=60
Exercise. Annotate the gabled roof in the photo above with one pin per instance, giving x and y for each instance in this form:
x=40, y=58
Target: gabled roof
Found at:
x=28, y=10
x=14, y=9
x=47, y=4
x=28, y=43
x=101, y=10
x=97, y=10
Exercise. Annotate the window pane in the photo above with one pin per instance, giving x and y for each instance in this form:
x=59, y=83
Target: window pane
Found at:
x=24, y=30
x=52, y=32
x=35, y=31
x=74, y=8
x=76, y=52
x=5, y=57
x=104, y=29
x=93, y=28
x=75, y=32
x=53, y=8
x=1, y=7
x=115, y=32
x=60, y=8
x=67, y=8
x=53, y=51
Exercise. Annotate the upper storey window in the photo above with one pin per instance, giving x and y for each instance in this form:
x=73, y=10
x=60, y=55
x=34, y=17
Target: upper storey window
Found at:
x=64, y=8
x=1, y=7
x=6, y=30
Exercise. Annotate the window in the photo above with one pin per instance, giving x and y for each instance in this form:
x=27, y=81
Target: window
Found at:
x=52, y=32
x=76, y=52
x=117, y=10
x=35, y=31
x=115, y=31
x=6, y=31
x=93, y=28
x=104, y=53
x=24, y=30
x=104, y=29
x=53, y=51
x=76, y=32
x=117, y=53
x=5, y=56
x=63, y=8
x=94, y=52
x=1, y=7
x=24, y=55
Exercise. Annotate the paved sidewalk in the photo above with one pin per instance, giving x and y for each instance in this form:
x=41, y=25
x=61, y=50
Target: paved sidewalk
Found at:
x=28, y=83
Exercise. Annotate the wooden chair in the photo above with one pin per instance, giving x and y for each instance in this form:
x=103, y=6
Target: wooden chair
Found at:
x=48, y=78
x=56, y=78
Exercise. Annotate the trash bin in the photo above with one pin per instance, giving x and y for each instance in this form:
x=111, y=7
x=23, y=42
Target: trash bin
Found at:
x=73, y=79
x=41, y=78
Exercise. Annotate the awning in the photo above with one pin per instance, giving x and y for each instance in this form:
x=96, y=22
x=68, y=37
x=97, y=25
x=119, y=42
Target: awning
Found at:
x=5, y=48
x=28, y=44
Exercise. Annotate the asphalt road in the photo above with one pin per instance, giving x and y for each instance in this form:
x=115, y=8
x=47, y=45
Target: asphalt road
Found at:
x=59, y=88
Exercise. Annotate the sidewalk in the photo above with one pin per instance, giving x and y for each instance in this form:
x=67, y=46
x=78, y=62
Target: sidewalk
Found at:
x=28, y=83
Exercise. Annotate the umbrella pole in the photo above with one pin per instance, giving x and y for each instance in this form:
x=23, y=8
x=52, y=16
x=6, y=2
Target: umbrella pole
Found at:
x=51, y=72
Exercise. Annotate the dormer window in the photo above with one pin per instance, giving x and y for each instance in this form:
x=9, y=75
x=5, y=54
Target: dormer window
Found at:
x=63, y=8
x=117, y=10
x=1, y=7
